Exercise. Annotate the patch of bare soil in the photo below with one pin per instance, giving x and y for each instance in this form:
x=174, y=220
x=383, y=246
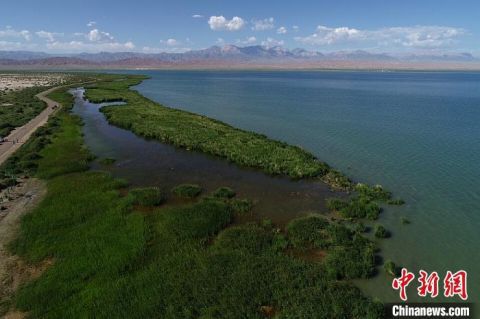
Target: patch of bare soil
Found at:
x=15, y=203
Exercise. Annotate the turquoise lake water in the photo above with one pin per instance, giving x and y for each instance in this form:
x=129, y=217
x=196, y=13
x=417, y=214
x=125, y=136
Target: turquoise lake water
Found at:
x=417, y=134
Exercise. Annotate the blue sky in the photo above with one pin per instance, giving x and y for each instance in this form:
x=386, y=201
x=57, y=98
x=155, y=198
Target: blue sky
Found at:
x=176, y=26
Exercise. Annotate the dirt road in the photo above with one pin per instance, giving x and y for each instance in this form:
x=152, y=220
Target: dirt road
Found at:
x=21, y=134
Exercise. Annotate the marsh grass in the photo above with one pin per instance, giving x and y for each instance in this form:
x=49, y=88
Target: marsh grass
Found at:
x=381, y=232
x=390, y=268
x=147, y=196
x=224, y=192
x=241, y=205
x=348, y=254
x=187, y=190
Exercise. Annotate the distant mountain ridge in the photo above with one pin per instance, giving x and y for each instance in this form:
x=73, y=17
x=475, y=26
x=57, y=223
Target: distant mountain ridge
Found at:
x=224, y=55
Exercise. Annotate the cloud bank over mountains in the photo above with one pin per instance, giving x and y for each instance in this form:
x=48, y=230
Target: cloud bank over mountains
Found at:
x=242, y=31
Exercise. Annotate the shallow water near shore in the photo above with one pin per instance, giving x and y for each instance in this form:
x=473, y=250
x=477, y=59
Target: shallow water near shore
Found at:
x=151, y=163
x=416, y=133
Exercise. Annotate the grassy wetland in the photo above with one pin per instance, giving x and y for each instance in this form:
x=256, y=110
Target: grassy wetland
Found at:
x=137, y=253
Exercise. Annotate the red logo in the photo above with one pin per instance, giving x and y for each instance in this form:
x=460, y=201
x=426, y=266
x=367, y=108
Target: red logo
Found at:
x=454, y=284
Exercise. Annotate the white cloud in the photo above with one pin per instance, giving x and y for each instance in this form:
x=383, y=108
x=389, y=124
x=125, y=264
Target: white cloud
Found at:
x=96, y=35
x=270, y=42
x=75, y=46
x=295, y=28
x=50, y=36
x=197, y=16
x=421, y=37
x=218, y=23
x=9, y=32
x=171, y=42
x=220, y=41
x=91, y=24
x=264, y=24
x=246, y=41
x=282, y=30
x=9, y=45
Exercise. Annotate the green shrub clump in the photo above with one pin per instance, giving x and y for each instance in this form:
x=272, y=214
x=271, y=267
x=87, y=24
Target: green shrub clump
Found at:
x=187, y=190
x=381, y=232
x=396, y=202
x=348, y=254
x=390, y=268
x=224, y=192
x=357, y=207
x=373, y=192
x=241, y=205
x=147, y=196
x=308, y=232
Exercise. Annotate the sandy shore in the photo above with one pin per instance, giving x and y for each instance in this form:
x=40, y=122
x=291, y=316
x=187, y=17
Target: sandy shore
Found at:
x=15, y=82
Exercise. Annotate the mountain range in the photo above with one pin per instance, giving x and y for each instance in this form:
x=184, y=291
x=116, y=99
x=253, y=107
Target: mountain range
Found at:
x=238, y=57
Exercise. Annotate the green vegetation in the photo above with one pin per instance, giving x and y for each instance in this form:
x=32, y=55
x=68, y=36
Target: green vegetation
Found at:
x=241, y=205
x=356, y=207
x=373, y=192
x=147, y=196
x=224, y=192
x=395, y=202
x=187, y=190
x=309, y=232
x=404, y=221
x=183, y=261
x=390, y=268
x=19, y=107
x=381, y=232
x=360, y=228
x=364, y=204
x=349, y=255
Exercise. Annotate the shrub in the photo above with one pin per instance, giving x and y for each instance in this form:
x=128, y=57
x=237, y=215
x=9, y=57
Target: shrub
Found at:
x=373, y=192
x=381, y=232
x=360, y=228
x=241, y=205
x=360, y=207
x=224, y=192
x=307, y=232
x=336, y=204
x=147, y=196
x=390, y=268
x=356, y=260
x=396, y=202
x=187, y=190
